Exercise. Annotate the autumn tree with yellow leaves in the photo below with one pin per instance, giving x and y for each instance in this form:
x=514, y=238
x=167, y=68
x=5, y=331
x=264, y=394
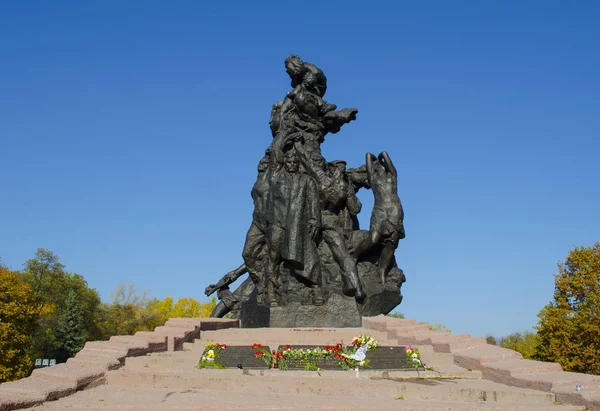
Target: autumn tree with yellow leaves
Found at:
x=569, y=327
x=18, y=316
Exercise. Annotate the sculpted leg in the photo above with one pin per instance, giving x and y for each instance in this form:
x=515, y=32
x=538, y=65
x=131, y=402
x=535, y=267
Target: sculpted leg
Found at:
x=273, y=278
x=348, y=265
x=220, y=310
x=385, y=260
x=254, y=254
x=366, y=244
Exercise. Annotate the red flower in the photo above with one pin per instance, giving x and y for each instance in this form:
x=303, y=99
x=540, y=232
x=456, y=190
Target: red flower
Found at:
x=256, y=346
x=288, y=347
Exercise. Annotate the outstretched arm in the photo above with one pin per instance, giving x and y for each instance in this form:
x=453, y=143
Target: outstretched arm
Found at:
x=369, y=163
x=387, y=163
x=227, y=279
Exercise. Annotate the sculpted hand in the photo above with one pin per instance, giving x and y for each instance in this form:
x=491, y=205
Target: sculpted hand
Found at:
x=209, y=290
x=349, y=114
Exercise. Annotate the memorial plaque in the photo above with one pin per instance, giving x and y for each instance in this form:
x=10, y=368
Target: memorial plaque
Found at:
x=388, y=358
x=234, y=355
x=328, y=363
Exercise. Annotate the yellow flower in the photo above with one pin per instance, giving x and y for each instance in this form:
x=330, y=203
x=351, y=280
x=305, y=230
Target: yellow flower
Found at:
x=409, y=351
x=210, y=354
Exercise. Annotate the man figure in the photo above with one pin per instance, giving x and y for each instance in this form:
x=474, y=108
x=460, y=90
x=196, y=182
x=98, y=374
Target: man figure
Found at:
x=229, y=301
x=387, y=219
x=254, y=252
x=336, y=195
x=294, y=220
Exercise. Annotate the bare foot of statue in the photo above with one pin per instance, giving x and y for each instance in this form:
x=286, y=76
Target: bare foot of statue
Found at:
x=360, y=294
x=318, y=296
x=349, y=291
x=272, y=301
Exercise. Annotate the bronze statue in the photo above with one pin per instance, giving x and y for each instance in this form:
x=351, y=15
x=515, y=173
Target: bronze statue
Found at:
x=305, y=246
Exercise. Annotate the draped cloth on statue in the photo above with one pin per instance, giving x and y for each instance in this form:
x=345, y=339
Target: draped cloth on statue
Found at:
x=295, y=209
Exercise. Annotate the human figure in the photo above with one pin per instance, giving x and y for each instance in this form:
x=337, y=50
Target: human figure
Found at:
x=229, y=301
x=294, y=220
x=387, y=218
x=335, y=196
x=254, y=252
x=303, y=115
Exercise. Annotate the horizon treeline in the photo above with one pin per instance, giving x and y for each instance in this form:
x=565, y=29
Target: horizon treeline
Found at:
x=49, y=313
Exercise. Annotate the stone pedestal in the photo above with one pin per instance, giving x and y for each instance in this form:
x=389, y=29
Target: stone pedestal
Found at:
x=338, y=311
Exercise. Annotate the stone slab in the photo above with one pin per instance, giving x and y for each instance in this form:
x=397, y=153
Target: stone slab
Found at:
x=388, y=358
x=338, y=312
x=233, y=355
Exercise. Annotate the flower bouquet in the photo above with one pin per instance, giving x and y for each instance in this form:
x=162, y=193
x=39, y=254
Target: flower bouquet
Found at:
x=211, y=352
x=413, y=357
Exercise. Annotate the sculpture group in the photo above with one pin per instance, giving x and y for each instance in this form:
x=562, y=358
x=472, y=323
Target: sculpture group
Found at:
x=304, y=246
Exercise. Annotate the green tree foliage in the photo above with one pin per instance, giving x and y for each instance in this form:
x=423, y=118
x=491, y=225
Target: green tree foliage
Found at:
x=525, y=343
x=127, y=313
x=52, y=286
x=131, y=311
x=396, y=315
x=18, y=316
x=71, y=329
x=569, y=326
x=491, y=340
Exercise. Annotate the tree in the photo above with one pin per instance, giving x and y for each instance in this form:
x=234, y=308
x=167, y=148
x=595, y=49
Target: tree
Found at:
x=71, y=330
x=127, y=314
x=569, y=326
x=525, y=343
x=52, y=286
x=18, y=315
x=396, y=315
x=491, y=340
x=46, y=276
x=131, y=312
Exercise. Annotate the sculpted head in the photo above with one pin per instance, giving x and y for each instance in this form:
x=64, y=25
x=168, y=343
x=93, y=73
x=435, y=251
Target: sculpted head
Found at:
x=291, y=162
x=337, y=169
x=294, y=66
x=358, y=176
x=338, y=166
x=263, y=164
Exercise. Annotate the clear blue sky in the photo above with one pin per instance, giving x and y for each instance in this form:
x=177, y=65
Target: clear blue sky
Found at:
x=130, y=133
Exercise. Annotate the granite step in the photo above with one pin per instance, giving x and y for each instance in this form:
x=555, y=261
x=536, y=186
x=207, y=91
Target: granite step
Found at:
x=323, y=383
x=126, y=399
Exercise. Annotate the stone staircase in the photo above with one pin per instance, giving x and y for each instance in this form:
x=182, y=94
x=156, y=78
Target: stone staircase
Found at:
x=157, y=371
